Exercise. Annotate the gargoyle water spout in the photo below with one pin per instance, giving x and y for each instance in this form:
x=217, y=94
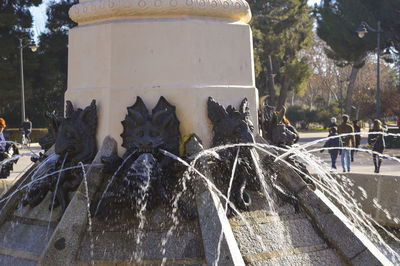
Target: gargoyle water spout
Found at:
x=144, y=135
x=49, y=139
x=281, y=134
x=233, y=126
x=274, y=129
x=76, y=136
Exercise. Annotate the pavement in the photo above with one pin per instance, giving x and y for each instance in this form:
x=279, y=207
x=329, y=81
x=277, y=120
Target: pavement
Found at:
x=23, y=164
x=363, y=162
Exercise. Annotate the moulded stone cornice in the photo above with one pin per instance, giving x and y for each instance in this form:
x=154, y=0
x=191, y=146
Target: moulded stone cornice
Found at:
x=100, y=10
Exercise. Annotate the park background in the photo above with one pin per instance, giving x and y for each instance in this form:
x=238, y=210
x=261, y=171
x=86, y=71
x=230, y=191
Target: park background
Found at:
x=307, y=55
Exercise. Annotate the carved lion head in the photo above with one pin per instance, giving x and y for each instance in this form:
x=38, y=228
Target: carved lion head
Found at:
x=77, y=133
x=230, y=125
x=147, y=133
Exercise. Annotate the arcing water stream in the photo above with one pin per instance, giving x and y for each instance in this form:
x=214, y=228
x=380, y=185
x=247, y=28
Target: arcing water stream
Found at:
x=338, y=188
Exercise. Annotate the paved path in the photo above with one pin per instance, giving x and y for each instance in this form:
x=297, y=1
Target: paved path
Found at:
x=20, y=167
x=362, y=160
x=24, y=162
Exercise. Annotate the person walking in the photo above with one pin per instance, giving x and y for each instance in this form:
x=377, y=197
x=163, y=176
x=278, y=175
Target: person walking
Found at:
x=333, y=122
x=333, y=143
x=357, y=129
x=377, y=142
x=348, y=141
x=26, y=127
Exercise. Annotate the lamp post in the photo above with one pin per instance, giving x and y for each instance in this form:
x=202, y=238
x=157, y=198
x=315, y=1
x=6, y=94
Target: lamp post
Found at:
x=362, y=30
x=33, y=49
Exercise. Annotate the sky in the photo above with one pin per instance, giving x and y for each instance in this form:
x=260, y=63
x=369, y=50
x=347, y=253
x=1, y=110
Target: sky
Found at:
x=40, y=17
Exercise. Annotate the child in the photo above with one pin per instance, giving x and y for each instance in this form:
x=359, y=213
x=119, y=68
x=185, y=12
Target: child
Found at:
x=333, y=142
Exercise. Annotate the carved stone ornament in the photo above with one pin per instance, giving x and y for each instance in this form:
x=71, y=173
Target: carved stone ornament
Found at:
x=145, y=175
x=230, y=125
x=77, y=134
x=233, y=126
x=49, y=139
x=75, y=142
x=101, y=10
x=273, y=128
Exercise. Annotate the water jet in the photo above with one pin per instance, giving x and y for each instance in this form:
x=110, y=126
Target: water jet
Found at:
x=191, y=183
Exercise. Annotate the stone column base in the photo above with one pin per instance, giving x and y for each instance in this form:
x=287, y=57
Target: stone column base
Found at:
x=191, y=106
x=186, y=60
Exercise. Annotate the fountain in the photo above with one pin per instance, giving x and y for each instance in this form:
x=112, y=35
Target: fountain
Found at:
x=191, y=183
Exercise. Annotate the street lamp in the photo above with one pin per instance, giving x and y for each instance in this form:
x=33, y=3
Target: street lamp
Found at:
x=33, y=49
x=362, y=30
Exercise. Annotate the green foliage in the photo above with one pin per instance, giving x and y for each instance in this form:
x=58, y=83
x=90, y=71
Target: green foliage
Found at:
x=45, y=72
x=50, y=80
x=296, y=113
x=281, y=28
x=299, y=73
x=258, y=51
x=15, y=22
x=339, y=19
x=14, y=134
x=337, y=23
x=325, y=113
x=388, y=11
x=304, y=116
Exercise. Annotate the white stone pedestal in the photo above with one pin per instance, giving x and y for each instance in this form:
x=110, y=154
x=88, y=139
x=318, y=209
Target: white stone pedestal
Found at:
x=182, y=55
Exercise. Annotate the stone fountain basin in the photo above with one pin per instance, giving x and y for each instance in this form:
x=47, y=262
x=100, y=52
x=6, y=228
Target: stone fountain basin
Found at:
x=384, y=188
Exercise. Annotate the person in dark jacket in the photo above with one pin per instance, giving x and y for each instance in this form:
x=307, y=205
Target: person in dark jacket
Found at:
x=26, y=127
x=377, y=142
x=332, y=143
x=357, y=129
x=346, y=129
x=333, y=122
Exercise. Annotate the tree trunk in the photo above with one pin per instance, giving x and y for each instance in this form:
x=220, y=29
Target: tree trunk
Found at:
x=329, y=97
x=270, y=82
x=310, y=89
x=331, y=92
x=292, y=102
x=350, y=88
x=352, y=80
x=282, y=95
